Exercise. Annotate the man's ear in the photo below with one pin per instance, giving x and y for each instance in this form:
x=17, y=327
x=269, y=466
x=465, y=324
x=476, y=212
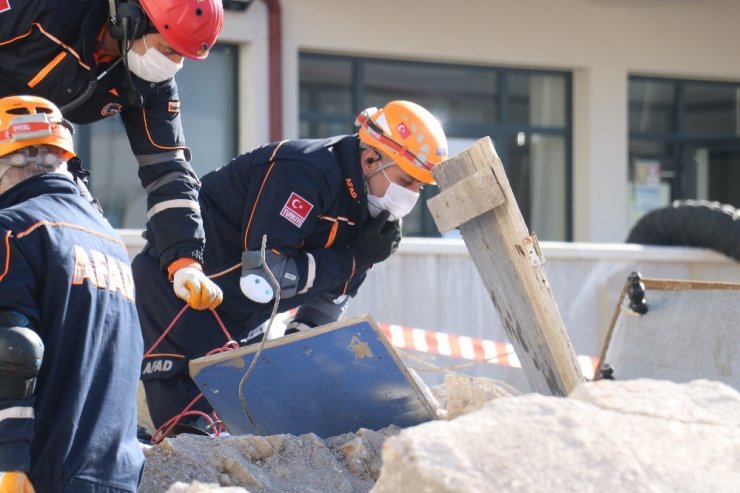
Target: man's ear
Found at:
x=367, y=159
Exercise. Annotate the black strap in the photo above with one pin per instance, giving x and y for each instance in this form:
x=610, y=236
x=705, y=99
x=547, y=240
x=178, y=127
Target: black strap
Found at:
x=81, y=177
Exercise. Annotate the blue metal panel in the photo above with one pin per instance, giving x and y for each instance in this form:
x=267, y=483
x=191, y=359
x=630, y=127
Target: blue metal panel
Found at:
x=328, y=381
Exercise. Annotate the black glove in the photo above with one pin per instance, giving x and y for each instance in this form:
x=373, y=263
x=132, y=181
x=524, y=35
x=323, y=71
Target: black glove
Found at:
x=377, y=241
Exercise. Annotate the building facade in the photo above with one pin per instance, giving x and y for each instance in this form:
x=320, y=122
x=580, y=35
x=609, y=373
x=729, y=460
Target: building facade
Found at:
x=599, y=109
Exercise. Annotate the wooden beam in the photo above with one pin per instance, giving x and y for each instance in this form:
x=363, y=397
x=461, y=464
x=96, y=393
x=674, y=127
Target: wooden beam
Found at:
x=508, y=259
x=466, y=199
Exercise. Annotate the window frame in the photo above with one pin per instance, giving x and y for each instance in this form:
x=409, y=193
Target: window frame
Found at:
x=500, y=131
x=677, y=139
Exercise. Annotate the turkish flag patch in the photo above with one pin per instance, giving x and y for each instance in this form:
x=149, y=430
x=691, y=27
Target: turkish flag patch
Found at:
x=403, y=130
x=4, y=6
x=296, y=209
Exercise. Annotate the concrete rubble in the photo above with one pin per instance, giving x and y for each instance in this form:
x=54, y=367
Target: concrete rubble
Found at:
x=639, y=435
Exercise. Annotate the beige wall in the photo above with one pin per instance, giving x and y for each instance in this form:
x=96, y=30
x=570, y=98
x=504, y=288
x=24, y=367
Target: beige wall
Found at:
x=600, y=41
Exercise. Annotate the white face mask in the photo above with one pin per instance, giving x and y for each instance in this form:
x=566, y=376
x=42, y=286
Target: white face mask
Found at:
x=397, y=200
x=153, y=65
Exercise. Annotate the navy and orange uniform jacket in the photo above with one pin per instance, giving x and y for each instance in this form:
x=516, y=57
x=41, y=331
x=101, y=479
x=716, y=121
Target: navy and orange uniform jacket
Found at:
x=64, y=269
x=308, y=197
x=50, y=48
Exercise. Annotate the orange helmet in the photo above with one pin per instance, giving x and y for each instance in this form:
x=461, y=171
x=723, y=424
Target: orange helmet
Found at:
x=31, y=120
x=408, y=134
x=189, y=26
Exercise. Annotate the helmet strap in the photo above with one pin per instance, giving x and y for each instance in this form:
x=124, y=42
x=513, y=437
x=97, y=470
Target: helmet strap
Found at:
x=51, y=160
x=381, y=168
x=134, y=96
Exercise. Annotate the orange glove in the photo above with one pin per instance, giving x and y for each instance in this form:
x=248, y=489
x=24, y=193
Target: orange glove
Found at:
x=15, y=482
x=193, y=286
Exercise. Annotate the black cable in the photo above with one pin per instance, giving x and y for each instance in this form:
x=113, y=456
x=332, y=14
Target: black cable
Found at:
x=88, y=92
x=134, y=97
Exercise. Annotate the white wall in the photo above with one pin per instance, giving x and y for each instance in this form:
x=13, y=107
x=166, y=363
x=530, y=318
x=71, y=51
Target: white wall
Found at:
x=432, y=284
x=600, y=41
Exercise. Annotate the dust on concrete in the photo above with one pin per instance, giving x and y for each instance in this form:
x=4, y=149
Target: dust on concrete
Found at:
x=347, y=463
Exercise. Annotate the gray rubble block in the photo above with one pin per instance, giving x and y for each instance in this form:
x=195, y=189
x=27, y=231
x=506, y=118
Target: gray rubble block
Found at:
x=636, y=436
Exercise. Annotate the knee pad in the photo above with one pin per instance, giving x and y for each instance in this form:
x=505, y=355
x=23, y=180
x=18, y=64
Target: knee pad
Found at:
x=21, y=353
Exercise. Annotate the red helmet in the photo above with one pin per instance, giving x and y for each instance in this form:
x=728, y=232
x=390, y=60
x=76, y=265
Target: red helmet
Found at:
x=189, y=26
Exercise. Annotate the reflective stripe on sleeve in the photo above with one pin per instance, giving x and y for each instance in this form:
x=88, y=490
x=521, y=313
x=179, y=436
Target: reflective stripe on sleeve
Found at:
x=17, y=412
x=161, y=157
x=173, y=204
x=168, y=178
x=310, y=274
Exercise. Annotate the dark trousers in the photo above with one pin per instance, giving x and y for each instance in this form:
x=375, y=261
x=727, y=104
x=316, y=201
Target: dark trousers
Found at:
x=167, y=383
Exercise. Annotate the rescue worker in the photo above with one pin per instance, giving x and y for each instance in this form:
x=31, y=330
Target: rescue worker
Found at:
x=68, y=324
x=330, y=209
x=98, y=58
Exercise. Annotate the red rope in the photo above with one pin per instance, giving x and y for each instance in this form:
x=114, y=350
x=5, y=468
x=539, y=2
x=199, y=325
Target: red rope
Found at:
x=214, y=423
x=166, y=331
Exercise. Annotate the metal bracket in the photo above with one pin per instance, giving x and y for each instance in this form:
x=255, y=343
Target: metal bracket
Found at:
x=532, y=249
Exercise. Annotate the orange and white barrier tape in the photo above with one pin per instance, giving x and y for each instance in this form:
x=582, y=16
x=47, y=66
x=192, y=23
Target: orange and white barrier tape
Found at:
x=464, y=347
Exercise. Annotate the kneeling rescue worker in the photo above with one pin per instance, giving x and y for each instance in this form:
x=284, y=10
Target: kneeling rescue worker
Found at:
x=328, y=208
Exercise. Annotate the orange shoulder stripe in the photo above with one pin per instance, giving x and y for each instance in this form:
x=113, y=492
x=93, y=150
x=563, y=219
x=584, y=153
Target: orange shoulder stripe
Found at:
x=7, y=256
x=262, y=186
x=11, y=40
x=63, y=45
x=40, y=224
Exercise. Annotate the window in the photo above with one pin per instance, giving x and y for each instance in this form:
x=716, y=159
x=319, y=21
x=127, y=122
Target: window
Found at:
x=209, y=121
x=712, y=109
x=684, y=142
x=525, y=112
